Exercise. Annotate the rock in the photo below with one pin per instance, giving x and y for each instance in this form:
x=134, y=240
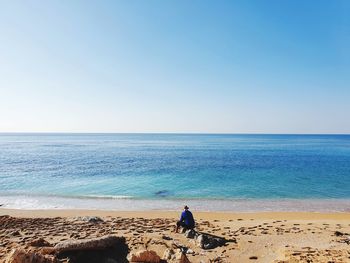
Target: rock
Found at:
x=347, y=240
x=4, y=217
x=15, y=233
x=339, y=234
x=207, y=241
x=40, y=242
x=168, y=254
x=184, y=259
x=47, y=251
x=145, y=256
x=201, y=241
x=86, y=244
x=191, y=233
x=181, y=247
x=167, y=237
x=178, y=254
x=94, y=250
x=90, y=219
x=22, y=256
x=189, y=251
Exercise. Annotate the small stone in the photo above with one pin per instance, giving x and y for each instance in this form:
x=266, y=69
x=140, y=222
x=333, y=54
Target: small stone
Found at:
x=145, y=256
x=167, y=237
x=338, y=233
x=15, y=233
x=189, y=251
x=168, y=254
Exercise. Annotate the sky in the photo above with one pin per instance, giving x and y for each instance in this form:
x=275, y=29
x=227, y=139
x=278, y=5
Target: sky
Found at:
x=175, y=66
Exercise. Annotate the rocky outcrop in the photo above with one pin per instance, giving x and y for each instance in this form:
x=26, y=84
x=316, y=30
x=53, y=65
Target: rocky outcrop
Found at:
x=86, y=244
x=145, y=256
x=97, y=250
x=206, y=241
x=22, y=256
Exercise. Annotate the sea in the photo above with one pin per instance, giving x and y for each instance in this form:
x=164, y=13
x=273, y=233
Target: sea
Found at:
x=208, y=172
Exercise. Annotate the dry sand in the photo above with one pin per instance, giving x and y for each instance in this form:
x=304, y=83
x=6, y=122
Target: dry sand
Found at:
x=261, y=237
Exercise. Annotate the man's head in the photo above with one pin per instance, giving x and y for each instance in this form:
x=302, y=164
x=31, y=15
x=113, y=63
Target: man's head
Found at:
x=186, y=207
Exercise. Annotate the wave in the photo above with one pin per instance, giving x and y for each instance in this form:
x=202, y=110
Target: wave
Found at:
x=104, y=196
x=126, y=203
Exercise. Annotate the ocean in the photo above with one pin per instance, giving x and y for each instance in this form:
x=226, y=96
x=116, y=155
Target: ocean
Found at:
x=238, y=172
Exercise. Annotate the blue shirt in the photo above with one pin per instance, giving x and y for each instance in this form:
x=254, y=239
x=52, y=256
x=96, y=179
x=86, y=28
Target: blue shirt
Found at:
x=187, y=218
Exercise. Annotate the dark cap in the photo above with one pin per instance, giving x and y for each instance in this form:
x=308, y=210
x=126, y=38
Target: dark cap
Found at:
x=186, y=207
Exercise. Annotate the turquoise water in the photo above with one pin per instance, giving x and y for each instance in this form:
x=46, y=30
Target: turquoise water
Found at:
x=176, y=166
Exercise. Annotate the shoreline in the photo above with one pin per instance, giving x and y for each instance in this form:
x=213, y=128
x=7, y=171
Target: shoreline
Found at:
x=35, y=202
x=47, y=213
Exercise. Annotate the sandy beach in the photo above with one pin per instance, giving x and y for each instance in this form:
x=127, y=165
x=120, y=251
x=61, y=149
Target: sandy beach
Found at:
x=251, y=237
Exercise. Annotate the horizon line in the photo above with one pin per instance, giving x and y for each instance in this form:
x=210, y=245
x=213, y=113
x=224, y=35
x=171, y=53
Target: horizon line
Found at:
x=170, y=133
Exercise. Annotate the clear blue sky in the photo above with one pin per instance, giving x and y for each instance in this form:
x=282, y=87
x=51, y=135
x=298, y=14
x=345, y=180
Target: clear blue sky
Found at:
x=175, y=66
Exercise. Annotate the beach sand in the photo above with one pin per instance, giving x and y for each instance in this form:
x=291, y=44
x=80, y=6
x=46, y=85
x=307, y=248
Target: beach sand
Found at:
x=260, y=237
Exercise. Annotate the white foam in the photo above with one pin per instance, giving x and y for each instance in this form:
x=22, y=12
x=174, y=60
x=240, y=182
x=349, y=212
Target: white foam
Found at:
x=126, y=204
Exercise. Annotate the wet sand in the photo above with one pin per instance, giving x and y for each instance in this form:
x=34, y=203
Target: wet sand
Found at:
x=260, y=237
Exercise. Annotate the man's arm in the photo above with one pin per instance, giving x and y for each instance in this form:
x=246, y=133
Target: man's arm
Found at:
x=182, y=218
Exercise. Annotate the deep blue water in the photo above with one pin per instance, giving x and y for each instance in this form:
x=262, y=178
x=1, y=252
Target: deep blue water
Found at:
x=176, y=166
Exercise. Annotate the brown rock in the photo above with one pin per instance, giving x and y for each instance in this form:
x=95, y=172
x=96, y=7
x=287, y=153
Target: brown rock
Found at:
x=22, y=256
x=184, y=259
x=145, y=256
x=47, y=251
x=40, y=242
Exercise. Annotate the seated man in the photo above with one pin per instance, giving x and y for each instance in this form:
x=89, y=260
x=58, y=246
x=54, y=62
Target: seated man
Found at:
x=186, y=220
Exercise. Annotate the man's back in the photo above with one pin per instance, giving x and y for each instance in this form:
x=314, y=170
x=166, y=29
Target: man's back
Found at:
x=187, y=217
